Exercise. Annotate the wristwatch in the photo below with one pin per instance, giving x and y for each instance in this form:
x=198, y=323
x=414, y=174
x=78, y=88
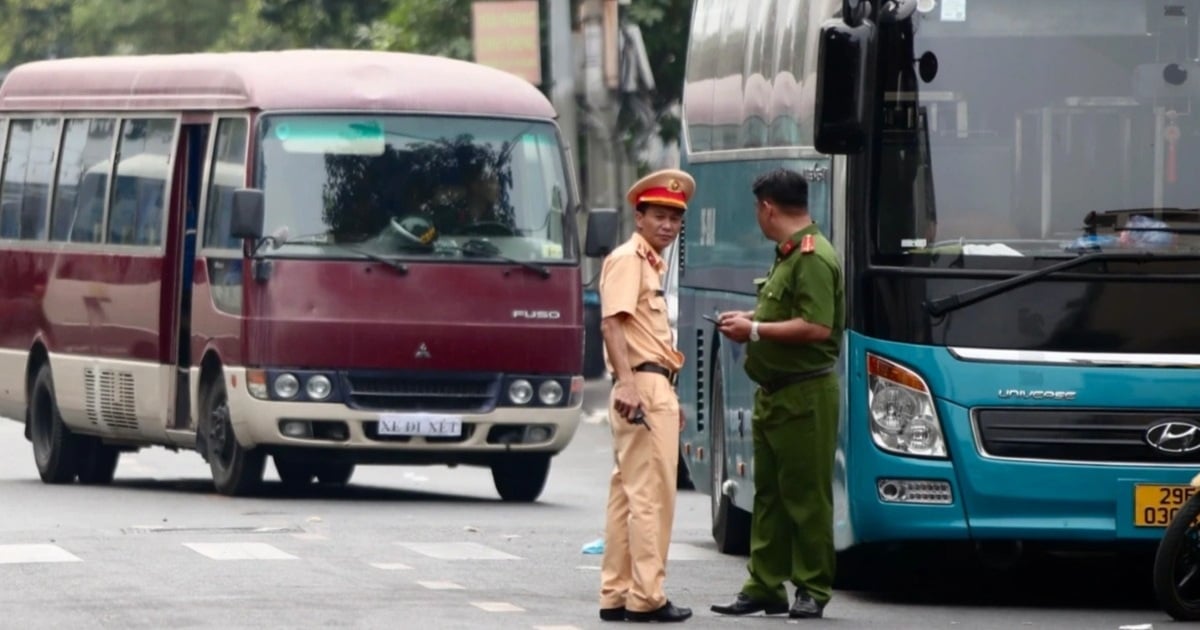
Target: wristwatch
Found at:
x=754, y=331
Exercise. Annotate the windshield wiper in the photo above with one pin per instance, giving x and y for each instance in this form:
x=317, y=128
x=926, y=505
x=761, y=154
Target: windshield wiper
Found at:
x=484, y=249
x=312, y=240
x=955, y=301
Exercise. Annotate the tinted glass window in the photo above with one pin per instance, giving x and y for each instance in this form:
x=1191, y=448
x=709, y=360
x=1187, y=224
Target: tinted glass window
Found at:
x=139, y=193
x=83, y=180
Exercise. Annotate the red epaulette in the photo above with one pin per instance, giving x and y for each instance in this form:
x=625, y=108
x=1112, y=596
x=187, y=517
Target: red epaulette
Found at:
x=808, y=244
x=786, y=248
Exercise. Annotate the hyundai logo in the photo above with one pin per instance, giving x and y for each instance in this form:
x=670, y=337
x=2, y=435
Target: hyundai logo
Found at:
x=1174, y=435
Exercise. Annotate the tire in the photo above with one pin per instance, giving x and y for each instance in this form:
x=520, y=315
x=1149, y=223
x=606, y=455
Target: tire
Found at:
x=294, y=473
x=520, y=479
x=99, y=462
x=730, y=524
x=235, y=470
x=1177, y=564
x=55, y=449
x=335, y=473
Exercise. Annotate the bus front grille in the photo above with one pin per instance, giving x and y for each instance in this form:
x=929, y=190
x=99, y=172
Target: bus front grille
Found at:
x=1088, y=435
x=422, y=391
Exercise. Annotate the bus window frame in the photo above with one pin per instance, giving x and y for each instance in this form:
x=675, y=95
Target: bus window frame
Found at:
x=202, y=250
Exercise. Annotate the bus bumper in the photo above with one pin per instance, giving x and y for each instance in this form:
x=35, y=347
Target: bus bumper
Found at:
x=335, y=426
x=998, y=499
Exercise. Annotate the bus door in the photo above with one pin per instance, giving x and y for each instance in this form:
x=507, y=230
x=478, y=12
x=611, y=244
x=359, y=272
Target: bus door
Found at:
x=193, y=144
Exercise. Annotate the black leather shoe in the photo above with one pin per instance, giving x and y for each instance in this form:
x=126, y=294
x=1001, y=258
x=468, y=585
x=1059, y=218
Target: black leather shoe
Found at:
x=612, y=614
x=743, y=605
x=668, y=612
x=806, y=607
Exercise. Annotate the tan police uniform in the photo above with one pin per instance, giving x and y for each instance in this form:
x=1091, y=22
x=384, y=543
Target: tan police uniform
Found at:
x=641, y=504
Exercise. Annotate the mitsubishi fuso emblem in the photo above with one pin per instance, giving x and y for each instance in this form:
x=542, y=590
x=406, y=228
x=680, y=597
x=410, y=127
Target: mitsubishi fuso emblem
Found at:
x=423, y=351
x=1174, y=435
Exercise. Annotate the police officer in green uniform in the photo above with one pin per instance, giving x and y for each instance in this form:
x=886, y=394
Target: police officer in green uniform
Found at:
x=793, y=339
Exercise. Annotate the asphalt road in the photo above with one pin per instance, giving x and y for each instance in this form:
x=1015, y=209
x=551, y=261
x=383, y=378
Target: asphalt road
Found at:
x=431, y=548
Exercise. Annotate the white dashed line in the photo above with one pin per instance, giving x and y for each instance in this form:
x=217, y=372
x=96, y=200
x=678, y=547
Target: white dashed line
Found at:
x=307, y=536
x=458, y=551
x=391, y=566
x=239, y=551
x=441, y=586
x=23, y=554
x=497, y=607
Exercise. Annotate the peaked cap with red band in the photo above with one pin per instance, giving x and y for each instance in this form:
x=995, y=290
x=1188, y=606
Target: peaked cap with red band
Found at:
x=670, y=188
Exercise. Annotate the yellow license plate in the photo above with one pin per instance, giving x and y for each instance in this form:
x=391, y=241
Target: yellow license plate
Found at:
x=1155, y=505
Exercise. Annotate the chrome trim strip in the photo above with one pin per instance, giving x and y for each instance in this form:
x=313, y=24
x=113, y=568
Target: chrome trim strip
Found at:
x=1077, y=358
x=978, y=439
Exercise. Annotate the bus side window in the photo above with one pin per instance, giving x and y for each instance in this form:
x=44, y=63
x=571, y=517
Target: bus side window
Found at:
x=145, y=161
x=226, y=175
x=83, y=174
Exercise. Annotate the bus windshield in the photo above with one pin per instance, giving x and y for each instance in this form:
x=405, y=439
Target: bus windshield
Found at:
x=1024, y=129
x=413, y=186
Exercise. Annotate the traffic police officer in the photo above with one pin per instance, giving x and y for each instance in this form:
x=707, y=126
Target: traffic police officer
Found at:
x=644, y=411
x=794, y=337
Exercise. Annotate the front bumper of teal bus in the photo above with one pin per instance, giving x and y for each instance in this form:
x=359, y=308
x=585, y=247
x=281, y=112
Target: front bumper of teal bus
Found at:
x=1032, y=452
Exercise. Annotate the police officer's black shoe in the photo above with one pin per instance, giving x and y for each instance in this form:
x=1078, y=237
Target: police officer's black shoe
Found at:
x=743, y=605
x=612, y=614
x=805, y=607
x=668, y=612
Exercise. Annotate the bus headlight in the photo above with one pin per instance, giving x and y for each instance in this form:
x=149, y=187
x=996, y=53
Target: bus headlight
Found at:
x=903, y=417
x=287, y=386
x=550, y=393
x=520, y=392
x=318, y=387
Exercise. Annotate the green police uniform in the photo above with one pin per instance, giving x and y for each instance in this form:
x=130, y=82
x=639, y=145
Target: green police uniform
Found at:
x=795, y=424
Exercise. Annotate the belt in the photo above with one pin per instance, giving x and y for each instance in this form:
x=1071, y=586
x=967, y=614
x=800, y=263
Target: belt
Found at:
x=777, y=384
x=655, y=368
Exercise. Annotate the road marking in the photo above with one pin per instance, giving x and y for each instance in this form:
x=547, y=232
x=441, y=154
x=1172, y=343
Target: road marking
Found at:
x=441, y=586
x=684, y=551
x=391, y=566
x=458, y=551
x=22, y=554
x=588, y=567
x=239, y=551
x=308, y=536
x=555, y=628
x=497, y=607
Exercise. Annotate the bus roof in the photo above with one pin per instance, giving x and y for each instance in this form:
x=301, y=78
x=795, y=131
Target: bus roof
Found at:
x=272, y=80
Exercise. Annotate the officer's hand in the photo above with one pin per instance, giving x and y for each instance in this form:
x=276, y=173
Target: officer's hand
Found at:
x=736, y=328
x=626, y=399
x=733, y=314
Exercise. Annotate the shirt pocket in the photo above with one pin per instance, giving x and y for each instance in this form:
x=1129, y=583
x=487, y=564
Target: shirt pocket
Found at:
x=774, y=302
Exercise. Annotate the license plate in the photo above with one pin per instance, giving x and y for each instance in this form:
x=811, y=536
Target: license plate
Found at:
x=426, y=424
x=1155, y=505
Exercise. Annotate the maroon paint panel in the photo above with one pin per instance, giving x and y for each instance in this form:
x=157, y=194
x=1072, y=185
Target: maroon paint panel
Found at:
x=352, y=314
x=99, y=304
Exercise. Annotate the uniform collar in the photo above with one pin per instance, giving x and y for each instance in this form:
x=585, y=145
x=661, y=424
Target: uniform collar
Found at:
x=801, y=240
x=646, y=250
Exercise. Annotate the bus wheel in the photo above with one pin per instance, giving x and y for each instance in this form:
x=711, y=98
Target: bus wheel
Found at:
x=235, y=470
x=730, y=524
x=98, y=465
x=55, y=448
x=294, y=473
x=335, y=473
x=520, y=478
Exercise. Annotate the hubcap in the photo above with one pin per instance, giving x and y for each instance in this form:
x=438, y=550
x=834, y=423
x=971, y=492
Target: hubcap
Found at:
x=220, y=435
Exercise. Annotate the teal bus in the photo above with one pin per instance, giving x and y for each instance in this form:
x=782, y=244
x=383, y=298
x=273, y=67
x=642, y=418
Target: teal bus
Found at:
x=1011, y=186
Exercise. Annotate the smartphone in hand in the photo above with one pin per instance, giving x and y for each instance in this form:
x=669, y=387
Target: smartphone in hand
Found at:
x=711, y=318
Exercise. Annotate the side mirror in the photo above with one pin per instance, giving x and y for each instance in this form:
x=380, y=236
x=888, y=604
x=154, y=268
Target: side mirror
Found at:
x=844, y=66
x=247, y=219
x=602, y=227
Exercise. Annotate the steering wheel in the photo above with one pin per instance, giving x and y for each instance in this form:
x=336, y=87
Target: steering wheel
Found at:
x=489, y=228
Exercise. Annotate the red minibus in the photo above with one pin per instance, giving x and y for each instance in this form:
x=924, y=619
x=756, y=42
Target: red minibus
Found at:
x=330, y=258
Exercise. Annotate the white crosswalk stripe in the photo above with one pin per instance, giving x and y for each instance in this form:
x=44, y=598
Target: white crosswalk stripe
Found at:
x=440, y=586
x=239, y=551
x=31, y=554
x=458, y=551
x=497, y=607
